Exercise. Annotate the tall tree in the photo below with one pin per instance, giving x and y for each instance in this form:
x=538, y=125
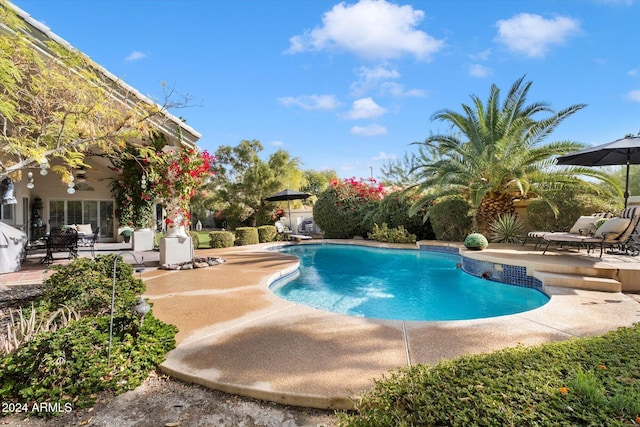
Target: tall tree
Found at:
x=242, y=179
x=318, y=181
x=496, y=155
x=56, y=103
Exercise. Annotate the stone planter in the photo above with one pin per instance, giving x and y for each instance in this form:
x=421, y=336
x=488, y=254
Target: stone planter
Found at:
x=143, y=240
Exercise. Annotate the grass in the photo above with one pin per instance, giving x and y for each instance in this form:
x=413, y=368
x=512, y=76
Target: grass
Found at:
x=587, y=381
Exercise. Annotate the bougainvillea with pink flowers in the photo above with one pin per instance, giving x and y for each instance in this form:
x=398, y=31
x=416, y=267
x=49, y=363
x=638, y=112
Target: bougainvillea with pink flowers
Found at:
x=181, y=172
x=341, y=209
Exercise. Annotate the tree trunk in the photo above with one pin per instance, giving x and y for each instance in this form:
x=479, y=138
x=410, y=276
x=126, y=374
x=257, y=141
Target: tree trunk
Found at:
x=490, y=209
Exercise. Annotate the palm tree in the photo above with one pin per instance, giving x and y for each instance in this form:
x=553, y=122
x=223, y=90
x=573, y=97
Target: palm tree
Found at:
x=496, y=155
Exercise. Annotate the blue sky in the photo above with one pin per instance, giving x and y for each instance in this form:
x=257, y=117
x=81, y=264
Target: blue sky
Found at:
x=348, y=86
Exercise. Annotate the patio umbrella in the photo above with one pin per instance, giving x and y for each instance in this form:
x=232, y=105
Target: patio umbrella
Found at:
x=624, y=151
x=287, y=195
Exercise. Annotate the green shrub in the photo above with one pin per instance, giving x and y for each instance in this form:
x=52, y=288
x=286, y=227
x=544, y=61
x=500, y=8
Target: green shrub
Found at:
x=85, y=285
x=391, y=235
x=475, y=241
x=451, y=219
x=393, y=210
x=571, y=206
x=221, y=239
x=267, y=233
x=508, y=228
x=195, y=239
x=71, y=363
x=246, y=236
x=341, y=210
x=578, y=382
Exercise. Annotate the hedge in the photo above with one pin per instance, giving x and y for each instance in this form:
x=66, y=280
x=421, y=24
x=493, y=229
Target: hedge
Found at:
x=221, y=239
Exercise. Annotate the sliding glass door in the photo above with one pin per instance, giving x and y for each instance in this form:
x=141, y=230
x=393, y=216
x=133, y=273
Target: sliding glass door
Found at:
x=98, y=213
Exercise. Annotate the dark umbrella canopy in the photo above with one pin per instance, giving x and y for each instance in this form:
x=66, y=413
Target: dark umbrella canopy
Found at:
x=288, y=195
x=624, y=151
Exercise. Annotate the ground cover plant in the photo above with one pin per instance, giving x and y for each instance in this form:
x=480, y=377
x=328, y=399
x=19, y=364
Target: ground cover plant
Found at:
x=588, y=381
x=67, y=365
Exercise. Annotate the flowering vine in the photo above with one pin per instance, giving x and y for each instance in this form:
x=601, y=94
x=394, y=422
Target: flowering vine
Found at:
x=134, y=191
x=181, y=172
x=351, y=192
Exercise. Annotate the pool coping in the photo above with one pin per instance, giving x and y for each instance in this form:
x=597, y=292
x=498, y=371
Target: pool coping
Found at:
x=257, y=345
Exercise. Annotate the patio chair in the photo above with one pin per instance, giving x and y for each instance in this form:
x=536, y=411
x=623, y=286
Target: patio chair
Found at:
x=583, y=225
x=90, y=241
x=60, y=240
x=618, y=233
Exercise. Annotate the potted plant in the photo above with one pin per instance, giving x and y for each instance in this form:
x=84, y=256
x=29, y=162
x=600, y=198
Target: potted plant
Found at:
x=126, y=234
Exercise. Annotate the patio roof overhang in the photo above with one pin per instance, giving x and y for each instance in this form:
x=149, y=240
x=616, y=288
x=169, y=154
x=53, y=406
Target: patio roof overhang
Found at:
x=173, y=127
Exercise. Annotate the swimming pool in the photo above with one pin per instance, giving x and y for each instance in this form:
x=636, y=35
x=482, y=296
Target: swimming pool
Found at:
x=397, y=284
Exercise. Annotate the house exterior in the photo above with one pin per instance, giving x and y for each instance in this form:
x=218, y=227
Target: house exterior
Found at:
x=43, y=200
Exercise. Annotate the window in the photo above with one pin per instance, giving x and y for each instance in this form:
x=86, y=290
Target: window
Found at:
x=98, y=213
x=6, y=213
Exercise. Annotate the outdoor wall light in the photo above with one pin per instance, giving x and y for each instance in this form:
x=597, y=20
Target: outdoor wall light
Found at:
x=71, y=185
x=30, y=183
x=43, y=166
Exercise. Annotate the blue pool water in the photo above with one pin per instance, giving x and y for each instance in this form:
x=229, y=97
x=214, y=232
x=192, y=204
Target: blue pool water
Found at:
x=397, y=284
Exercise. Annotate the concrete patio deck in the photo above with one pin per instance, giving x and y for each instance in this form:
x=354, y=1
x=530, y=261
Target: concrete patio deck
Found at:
x=236, y=336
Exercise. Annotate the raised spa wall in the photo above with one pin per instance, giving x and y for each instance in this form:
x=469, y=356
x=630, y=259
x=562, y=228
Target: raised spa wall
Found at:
x=504, y=273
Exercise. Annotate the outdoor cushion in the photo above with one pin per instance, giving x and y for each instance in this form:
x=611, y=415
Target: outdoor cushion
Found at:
x=584, y=225
x=84, y=228
x=613, y=228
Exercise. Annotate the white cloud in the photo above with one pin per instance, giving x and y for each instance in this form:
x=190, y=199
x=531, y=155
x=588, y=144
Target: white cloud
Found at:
x=534, y=35
x=634, y=73
x=379, y=78
x=278, y=143
x=365, y=108
x=311, y=102
x=477, y=70
x=634, y=95
x=369, y=130
x=135, y=56
x=374, y=29
x=396, y=89
x=382, y=156
x=481, y=56
x=370, y=78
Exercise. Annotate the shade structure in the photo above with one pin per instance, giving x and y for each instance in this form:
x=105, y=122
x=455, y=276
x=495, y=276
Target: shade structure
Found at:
x=624, y=151
x=288, y=195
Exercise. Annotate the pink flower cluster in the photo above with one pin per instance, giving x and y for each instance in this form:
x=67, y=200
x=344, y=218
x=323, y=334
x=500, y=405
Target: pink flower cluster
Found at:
x=182, y=172
x=357, y=191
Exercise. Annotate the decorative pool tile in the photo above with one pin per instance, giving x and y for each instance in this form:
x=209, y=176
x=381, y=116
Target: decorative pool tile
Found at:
x=441, y=249
x=505, y=273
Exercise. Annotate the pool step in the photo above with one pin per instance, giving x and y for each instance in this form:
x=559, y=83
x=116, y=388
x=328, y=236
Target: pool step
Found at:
x=578, y=282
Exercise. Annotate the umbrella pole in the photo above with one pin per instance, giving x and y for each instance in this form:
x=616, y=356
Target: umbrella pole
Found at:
x=626, y=185
x=291, y=223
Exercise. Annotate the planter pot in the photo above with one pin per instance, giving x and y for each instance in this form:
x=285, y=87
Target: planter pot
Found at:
x=143, y=240
x=176, y=231
x=176, y=250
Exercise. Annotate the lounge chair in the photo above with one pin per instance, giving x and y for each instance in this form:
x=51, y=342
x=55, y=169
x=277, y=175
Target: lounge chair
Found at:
x=584, y=225
x=287, y=234
x=616, y=232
